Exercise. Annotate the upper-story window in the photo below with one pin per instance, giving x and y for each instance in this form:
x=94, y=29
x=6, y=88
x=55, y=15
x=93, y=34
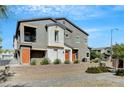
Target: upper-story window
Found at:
x=85, y=41
x=63, y=22
x=56, y=36
x=18, y=36
x=88, y=55
x=77, y=39
x=29, y=34
x=66, y=35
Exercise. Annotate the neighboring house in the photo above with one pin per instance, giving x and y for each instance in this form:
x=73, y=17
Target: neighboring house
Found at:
x=105, y=51
x=118, y=63
x=8, y=55
x=50, y=38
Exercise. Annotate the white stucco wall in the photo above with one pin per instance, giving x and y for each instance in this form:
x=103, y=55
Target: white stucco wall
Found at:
x=52, y=54
x=59, y=53
x=51, y=36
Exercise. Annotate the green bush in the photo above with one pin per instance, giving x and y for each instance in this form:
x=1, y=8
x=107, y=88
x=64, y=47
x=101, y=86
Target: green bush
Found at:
x=76, y=61
x=97, y=70
x=93, y=70
x=33, y=62
x=119, y=72
x=104, y=69
x=45, y=61
x=57, y=61
x=67, y=62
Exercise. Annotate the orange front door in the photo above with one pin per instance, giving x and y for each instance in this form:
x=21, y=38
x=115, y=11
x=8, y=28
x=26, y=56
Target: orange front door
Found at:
x=26, y=55
x=66, y=55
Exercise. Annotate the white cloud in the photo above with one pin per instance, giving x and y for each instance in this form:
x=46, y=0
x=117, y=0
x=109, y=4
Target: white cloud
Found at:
x=77, y=12
x=86, y=12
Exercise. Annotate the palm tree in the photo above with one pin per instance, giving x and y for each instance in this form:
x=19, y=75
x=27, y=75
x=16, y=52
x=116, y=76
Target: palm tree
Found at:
x=3, y=14
x=3, y=11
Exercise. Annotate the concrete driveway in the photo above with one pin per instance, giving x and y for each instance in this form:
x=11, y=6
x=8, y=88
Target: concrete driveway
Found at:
x=62, y=75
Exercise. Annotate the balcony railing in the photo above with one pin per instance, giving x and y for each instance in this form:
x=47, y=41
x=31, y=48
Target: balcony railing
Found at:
x=30, y=38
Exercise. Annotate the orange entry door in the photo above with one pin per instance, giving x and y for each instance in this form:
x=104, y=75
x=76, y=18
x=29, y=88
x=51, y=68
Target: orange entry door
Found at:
x=66, y=55
x=26, y=55
x=73, y=56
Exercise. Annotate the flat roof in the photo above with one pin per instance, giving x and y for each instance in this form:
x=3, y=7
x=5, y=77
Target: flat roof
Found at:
x=53, y=19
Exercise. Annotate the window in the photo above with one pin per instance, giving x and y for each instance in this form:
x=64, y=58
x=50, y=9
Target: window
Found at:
x=66, y=35
x=63, y=22
x=77, y=39
x=85, y=41
x=56, y=36
x=18, y=36
x=29, y=34
x=88, y=55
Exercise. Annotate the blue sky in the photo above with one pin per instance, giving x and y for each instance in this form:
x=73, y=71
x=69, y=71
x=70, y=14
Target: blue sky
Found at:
x=95, y=20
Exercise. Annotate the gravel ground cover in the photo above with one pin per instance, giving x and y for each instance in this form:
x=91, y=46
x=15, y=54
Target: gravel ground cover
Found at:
x=62, y=75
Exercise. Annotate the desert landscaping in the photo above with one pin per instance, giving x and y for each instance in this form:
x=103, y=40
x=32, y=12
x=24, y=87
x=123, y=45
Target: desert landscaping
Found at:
x=62, y=75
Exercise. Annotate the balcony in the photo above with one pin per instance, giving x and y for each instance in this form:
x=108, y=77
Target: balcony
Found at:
x=30, y=38
x=29, y=34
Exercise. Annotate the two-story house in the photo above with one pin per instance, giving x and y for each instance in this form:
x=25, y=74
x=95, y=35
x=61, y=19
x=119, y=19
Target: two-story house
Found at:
x=50, y=38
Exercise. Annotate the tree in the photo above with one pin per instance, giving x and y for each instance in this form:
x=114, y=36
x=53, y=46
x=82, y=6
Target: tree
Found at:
x=3, y=14
x=118, y=51
x=95, y=54
x=3, y=11
x=0, y=40
x=1, y=51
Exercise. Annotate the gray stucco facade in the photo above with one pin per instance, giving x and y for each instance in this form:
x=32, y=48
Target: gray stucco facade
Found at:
x=74, y=38
x=83, y=45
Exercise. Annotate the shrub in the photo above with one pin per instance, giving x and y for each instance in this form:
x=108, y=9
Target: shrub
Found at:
x=119, y=72
x=104, y=69
x=67, y=62
x=57, y=61
x=76, y=61
x=93, y=70
x=97, y=69
x=96, y=60
x=33, y=62
x=45, y=61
